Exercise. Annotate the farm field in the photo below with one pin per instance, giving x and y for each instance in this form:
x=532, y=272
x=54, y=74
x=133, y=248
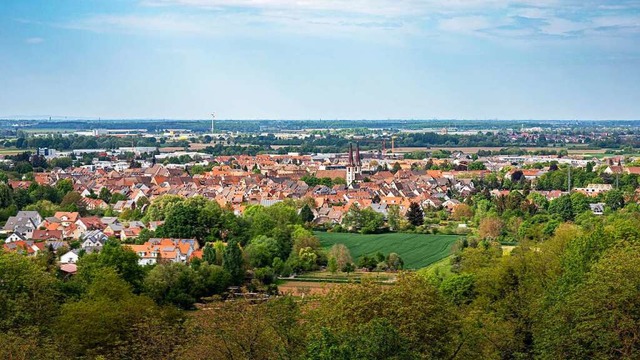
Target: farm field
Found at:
x=320, y=282
x=474, y=149
x=14, y=151
x=417, y=250
x=468, y=149
x=441, y=268
x=303, y=288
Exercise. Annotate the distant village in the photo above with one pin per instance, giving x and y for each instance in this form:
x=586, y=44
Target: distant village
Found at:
x=366, y=179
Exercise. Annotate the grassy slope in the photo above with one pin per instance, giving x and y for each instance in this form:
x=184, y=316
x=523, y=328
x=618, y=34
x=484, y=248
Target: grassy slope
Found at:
x=417, y=250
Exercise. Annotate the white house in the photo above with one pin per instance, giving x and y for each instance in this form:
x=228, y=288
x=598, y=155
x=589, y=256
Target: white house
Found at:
x=70, y=257
x=15, y=237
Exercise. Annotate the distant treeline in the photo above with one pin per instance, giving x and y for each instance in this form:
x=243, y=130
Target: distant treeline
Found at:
x=586, y=126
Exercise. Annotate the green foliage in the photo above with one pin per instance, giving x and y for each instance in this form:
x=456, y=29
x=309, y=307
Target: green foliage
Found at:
x=64, y=186
x=395, y=262
x=242, y=330
x=378, y=339
x=28, y=294
x=393, y=217
x=233, y=262
x=614, y=199
x=563, y=207
x=110, y=320
x=182, y=286
x=44, y=207
x=5, y=195
x=274, y=221
x=459, y=289
x=173, y=283
x=312, y=181
x=261, y=251
x=105, y=195
x=117, y=196
x=62, y=162
x=477, y=165
x=415, y=215
x=195, y=217
x=332, y=265
x=116, y=257
x=365, y=221
x=306, y=214
x=373, y=322
x=598, y=319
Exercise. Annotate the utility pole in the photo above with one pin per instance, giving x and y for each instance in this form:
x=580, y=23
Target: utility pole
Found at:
x=569, y=180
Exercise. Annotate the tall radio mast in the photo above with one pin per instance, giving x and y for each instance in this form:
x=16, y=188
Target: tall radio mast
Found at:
x=213, y=122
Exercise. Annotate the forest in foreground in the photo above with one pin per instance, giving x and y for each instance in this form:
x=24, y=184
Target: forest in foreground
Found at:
x=573, y=295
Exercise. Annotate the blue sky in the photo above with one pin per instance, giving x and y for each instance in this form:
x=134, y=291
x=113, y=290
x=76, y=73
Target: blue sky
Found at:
x=329, y=59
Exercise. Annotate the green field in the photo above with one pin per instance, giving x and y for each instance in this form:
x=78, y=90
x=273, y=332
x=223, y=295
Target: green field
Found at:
x=417, y=250
x=12, y=151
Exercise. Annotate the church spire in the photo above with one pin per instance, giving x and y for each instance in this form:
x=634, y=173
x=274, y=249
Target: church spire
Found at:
x=350, y=154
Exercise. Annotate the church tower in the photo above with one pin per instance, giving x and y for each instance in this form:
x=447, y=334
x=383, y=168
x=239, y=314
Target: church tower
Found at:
x=351, y=168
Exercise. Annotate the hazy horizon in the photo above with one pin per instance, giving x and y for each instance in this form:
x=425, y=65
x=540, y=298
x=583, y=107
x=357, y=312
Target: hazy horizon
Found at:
x=80, y=118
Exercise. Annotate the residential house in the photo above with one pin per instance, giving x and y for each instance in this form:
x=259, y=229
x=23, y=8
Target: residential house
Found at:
x=24, y=223
x=89, y=223
x=16, y=236
x=67, y=218
x=93, y=204
x=451, y=204
x=123, y=205
x=597, y=209
x=28, y=248
x=47, y=235
x=165, y=250
x=93, y=240
x=70, y=257
x=594, y=189
x=130, y=233
x=114, y=229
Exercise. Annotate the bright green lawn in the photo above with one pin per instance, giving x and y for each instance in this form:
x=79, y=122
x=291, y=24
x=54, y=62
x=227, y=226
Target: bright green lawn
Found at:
x=417, y=250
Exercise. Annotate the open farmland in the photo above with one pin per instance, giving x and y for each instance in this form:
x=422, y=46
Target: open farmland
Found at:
x=417, y=250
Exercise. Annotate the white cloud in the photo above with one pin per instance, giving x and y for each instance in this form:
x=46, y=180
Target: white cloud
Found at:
x=34, y=40
x=533, y=13
x=133, y=23
x=559, y=26
x=375, y=19
x=465, y=24
x=388, y=8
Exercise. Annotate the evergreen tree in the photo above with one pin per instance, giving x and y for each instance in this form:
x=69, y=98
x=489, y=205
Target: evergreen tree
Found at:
x=415, y=215
x=589, y=167
x=232, y=262
x=209, y=254
x=306, y=214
